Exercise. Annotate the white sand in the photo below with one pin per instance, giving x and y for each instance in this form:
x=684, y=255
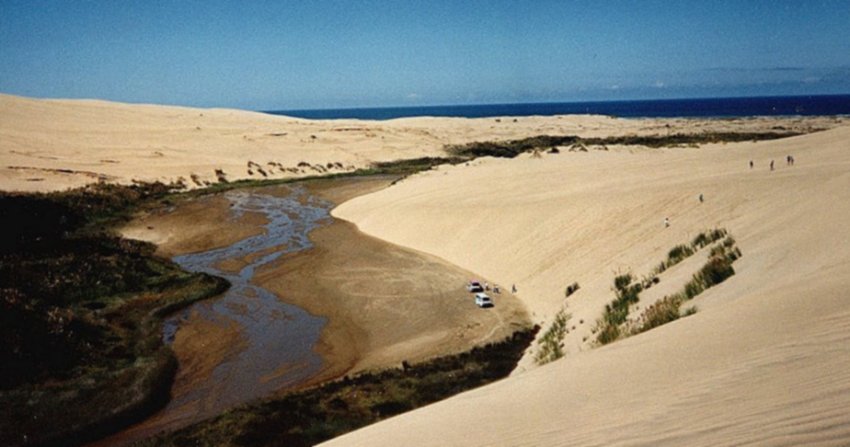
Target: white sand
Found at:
x=764, y=361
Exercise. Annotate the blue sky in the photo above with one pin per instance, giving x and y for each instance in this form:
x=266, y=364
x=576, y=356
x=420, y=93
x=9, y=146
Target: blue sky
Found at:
x=266, y=55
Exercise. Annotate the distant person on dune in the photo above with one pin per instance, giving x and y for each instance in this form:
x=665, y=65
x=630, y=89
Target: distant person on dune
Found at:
x=751, y=164
x=666, y=222
x=771, y=165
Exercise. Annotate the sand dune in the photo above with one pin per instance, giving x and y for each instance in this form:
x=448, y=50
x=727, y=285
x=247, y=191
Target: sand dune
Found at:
x=763, y=362
x=54, y=144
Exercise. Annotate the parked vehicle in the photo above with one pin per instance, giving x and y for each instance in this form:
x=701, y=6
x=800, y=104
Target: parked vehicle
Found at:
x=474, y=286
x=482, y=300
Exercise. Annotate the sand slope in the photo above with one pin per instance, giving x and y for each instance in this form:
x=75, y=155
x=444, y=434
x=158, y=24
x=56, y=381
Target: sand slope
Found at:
x=763, y=362
x=54, y=144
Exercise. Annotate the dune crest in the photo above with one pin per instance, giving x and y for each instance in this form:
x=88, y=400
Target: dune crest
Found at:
x=48, y=145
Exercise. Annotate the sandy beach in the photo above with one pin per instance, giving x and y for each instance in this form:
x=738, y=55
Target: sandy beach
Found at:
x=761, y=362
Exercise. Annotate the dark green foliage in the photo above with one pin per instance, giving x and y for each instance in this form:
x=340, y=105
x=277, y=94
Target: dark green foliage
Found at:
x=678, y=253
x=617, y=311
x=716, y=271
x=512, y=148
x=622, y=281
x=683, y=251
x=414, y=164
x=679, y=139
x=41, y=219
x=509, y=149
x=80, y=314
x=550, y=343
x=708, y=237
x=571, y=289
x=318, y=414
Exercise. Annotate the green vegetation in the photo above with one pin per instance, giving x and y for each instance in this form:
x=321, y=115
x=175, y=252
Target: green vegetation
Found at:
x=318, y=414
x=617, y=311
x=689, y=140
x=683, y=251
x=550, y=347
x=661, y=312
x=80, y=328
x=512, y=148
x=715, y=271
x=679, y=253
x=414, y=165
x=718, y=268
x=571, y=289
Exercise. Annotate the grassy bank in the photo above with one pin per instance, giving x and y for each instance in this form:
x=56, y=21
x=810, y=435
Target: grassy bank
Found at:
x=311, y=416
x=80, y=328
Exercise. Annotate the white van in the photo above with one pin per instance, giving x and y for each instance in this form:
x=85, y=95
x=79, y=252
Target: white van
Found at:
x=482, y=300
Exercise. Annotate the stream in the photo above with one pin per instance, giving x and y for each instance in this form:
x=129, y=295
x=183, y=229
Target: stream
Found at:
x=279, y=337
x=277, y=340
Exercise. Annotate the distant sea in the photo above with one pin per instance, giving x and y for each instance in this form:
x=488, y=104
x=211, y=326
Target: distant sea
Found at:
x=704, y=107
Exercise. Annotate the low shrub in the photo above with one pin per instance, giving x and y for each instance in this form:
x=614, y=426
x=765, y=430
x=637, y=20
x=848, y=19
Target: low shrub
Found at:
x=661, y=312
x=550, y=343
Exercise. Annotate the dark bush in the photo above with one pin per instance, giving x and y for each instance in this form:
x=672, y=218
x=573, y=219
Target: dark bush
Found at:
x=716, y=271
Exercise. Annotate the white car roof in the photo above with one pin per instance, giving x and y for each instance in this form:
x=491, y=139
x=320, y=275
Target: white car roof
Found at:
x=481, y=295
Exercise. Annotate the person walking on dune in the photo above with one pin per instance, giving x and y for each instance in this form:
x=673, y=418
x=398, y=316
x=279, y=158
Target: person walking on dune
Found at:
x=771, y=165
x=751, y=164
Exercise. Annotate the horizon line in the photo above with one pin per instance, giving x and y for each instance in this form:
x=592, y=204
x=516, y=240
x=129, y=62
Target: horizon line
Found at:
x=601, y=101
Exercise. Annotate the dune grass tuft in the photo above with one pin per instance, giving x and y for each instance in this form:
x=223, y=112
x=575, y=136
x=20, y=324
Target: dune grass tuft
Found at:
x=550, y=347
x=617, y=311
x=717, y=269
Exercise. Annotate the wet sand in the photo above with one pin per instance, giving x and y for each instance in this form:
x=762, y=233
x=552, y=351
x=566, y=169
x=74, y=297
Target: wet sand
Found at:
x=385, y=304
x=379, y=304
x=194, y=225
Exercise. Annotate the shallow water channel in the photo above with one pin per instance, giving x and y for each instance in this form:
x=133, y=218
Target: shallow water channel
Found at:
x=278, y=338
x=275, y=348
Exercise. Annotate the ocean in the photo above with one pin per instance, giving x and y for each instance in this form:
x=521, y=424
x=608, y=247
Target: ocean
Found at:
x=703, y=107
